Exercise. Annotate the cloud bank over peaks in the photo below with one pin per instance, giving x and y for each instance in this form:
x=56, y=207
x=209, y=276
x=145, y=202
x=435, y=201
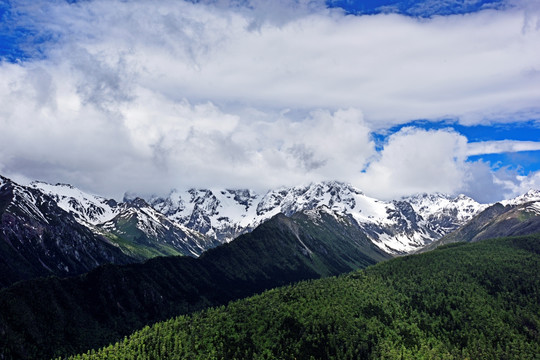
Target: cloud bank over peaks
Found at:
x=146, y=96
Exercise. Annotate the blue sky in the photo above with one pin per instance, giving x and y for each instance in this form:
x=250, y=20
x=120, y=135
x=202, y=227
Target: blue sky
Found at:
x=395, y=97
x=523, y=162
x=414, y=8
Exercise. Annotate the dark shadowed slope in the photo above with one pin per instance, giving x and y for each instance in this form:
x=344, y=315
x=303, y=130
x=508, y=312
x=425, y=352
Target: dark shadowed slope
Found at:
x=38, y=238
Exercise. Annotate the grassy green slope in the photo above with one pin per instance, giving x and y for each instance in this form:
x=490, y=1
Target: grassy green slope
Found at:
x=47, y=317
x=461, y=301
x=160, y=239
x=141, y=250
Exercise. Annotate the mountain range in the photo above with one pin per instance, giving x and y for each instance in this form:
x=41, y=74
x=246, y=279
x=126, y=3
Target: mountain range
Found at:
x=61, y=230
x=218, y=216
x=237, y=243
x=192, y=221
x=396, y=227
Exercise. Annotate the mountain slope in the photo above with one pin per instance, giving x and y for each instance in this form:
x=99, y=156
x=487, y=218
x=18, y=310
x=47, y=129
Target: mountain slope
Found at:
x=519, y=216
x=37, y=238
x=466, y=301
x=136, y=228
x=88, y=209
x=143, y=232
x=112, y=301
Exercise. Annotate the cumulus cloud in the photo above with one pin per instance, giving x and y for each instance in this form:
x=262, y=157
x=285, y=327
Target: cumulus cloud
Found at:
x=145, y=96
x=152, y=144
x=415, y=161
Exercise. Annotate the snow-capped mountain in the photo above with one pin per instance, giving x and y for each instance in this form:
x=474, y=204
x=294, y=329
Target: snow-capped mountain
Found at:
x=395, y=226
x=530, y=196
x=86, y=208
x=221, y=214
x=139, y=223
x=136, y=227
x=513, y=217
x=194, y=220
x=442, y=213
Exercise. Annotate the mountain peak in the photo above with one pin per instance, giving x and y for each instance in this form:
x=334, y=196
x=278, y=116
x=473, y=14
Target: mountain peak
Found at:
x=137, y=202
x=531, y=195
x=85, y=207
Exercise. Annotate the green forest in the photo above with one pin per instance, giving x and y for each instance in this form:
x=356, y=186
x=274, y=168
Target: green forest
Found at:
x=461, y=301
x=48, y=317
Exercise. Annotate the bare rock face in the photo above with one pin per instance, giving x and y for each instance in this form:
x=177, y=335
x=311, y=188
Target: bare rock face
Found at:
x=38, y=238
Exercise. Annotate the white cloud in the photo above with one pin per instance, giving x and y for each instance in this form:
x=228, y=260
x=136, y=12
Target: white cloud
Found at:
x=152, y=144
x=501, y=146
x=145, y=96
x=526, y=183
x=394, y=68
x=416, y=161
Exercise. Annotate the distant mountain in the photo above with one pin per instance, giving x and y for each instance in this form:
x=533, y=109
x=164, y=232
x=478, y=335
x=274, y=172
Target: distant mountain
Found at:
x=396, y=227
x=143, y=232
x=112, y=301
x=191, y=222
x=530, y=196
x=195, y=220
x=220, y=214
x=138, y=229
x=518, y=216
x=86, y=208
x=38, y=238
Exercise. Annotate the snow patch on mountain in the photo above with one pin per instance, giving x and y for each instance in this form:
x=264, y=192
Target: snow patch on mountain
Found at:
x=395, y=226
x=533, y=207
x=86, y=208
x=529, y=196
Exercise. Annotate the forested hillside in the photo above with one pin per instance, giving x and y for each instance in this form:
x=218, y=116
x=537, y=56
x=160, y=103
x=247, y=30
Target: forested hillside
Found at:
x=461, y=301
x=43, y=318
